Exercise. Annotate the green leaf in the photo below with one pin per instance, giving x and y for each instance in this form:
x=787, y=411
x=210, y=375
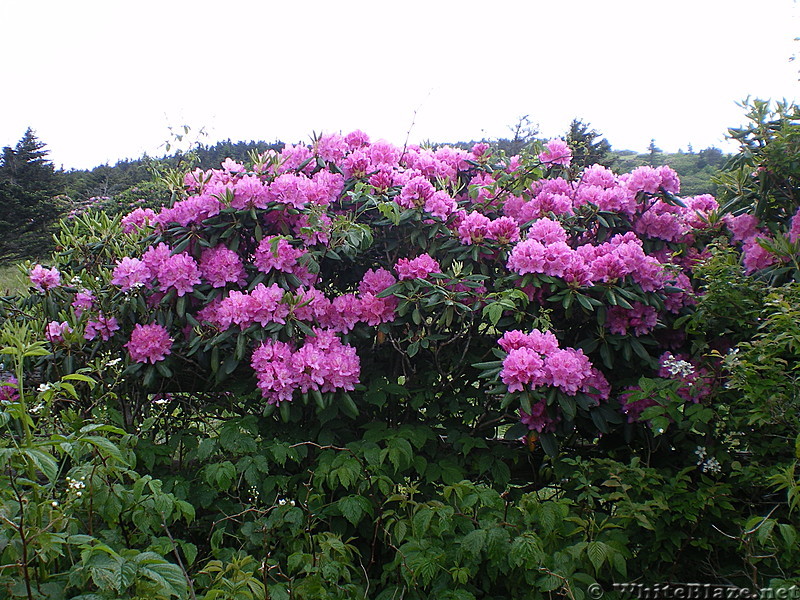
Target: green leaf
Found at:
x=597, y=553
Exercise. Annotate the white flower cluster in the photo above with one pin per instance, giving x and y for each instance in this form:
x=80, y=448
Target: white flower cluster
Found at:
x=76, y=485
x=709, y=464
x=678, y=367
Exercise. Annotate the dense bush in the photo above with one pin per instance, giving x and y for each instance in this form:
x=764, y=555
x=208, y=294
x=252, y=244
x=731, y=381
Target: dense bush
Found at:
x=359, y=370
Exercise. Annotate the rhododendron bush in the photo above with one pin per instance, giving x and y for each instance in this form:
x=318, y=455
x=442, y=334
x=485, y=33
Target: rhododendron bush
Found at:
x=519, y=291
x=358, y=370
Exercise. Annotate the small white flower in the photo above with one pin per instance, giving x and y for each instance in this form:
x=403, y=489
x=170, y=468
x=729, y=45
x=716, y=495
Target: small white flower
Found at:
x=701, y=454
x=75, y=280
x=54, y=504
x=113, y=362
x=712, y=465
x=43, y=387
x=678, y=367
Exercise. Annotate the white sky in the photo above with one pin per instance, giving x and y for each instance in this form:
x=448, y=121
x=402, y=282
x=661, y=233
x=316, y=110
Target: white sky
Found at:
x=103, y=80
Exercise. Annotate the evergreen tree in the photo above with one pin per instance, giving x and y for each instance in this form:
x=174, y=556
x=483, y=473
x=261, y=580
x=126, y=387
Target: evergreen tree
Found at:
x=28, y=182
x=587, y=149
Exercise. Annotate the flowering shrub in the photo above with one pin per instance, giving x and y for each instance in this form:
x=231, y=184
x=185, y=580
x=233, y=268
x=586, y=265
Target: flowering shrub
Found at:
x=327, y=268
x=329, y=355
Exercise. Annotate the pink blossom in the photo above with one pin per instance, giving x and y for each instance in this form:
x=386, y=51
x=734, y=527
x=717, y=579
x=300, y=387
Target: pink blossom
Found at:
x=597, y=175
x=375, y=281
x=374, y=311
x=531, y=256
x=179, y=272
x=556, y=152
x=538, y=419
x=155, y=257
x=756, y=257
x=643, y=179
x=289, y=189
x=249, y=192
x=523, y=367
x=419, y=267
x=641, y=319
x=149, y=343
x=473, y=228
x=277, y=253
x=9, y=389
x=277, y=377
x=440, y=204
x=102, y=326
x=543, y=342
x=130, y=273
x=44, y=279
x=503, y=230
x=55, y=331
x=547, y=231
x=794, y=229
x=292, y=157
x=415, y=193
x=84, y=300
x=742, y=226
x=356, y=139
x=268, y=304
x=137, y=219
x=331, y=147
x=670, y=182
x=220, y=266
x=567, y=369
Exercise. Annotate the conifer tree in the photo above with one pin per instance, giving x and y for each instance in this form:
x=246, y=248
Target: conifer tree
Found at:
x=28, y=181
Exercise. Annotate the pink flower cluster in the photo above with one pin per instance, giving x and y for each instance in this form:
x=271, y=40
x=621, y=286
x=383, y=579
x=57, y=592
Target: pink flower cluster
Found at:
x=641, y=319
x=417, y=268
x=475, y=228
x=9, y=389
x=220, y=266
x=608, y=262
x=264, y=305
x=322, y=363
x=102, y=326
x=535, y=360
x=139, y=218
x=173, y=271
x=54, y=332
x=44, y=279
x=277, y=253
x=556, y=152
x=149, y=343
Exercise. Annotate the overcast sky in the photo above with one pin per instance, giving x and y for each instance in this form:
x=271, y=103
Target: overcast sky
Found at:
x=103, y=80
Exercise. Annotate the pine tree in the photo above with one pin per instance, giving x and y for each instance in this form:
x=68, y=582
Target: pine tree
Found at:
x=587, y=150
x=28, y=182
x=26, y=165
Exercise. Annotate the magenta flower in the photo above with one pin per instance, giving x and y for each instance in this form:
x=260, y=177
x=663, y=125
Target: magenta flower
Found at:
x=149, y=343
x=55, y=331
x=84, y=300
x=179, y=271
x=103, y=326
x=220, y=266
x=130, y=273
x=137, y=219
x=419, y=267
x=556, y=152
x=44, y=279
x=276, y=253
